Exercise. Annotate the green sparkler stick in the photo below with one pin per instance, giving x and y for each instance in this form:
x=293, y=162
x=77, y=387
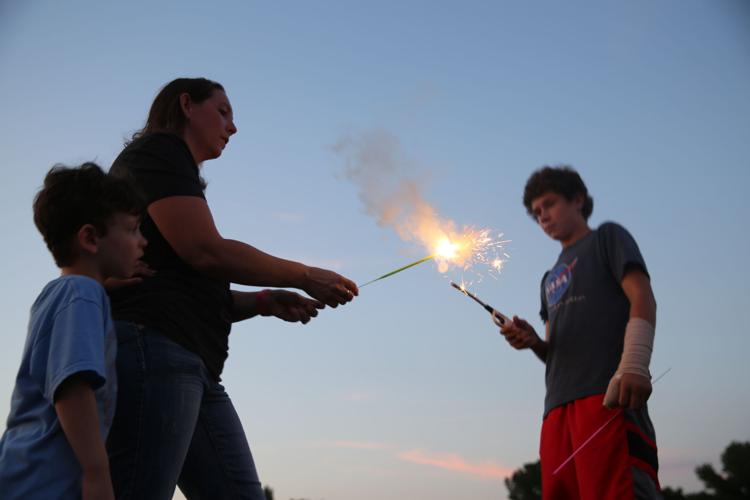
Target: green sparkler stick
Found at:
x=399, y=270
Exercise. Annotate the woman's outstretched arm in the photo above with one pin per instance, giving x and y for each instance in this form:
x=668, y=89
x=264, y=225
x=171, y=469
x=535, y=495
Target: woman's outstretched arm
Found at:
x=187, y=224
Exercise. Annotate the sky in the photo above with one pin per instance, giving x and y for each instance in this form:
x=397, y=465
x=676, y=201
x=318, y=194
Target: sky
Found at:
x=409, y=392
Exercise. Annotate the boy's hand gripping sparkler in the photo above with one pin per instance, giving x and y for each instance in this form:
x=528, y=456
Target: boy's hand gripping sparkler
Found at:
x=600, y=429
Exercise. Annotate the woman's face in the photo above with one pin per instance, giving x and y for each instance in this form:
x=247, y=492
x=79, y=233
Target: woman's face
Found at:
x=209, y=125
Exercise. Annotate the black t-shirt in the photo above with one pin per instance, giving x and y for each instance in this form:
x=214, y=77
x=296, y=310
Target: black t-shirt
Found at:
x=188, y=307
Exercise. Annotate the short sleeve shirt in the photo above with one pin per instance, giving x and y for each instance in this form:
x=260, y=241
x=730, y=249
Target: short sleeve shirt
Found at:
x=185, y=305
x=587, y=310
x=70, y=332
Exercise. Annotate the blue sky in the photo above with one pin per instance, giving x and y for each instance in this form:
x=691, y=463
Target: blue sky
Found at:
x=409, y=392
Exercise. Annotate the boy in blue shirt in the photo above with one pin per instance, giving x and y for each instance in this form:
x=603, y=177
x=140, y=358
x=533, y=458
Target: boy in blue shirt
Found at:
x=63, y=401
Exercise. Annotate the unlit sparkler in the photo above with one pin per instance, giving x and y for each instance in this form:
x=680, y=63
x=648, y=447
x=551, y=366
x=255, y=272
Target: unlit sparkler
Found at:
x=600, y=429
x=499, y=318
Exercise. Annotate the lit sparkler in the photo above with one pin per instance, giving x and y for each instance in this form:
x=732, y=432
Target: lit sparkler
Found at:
x=465, y=250
x=390, y=192
x=499, y=318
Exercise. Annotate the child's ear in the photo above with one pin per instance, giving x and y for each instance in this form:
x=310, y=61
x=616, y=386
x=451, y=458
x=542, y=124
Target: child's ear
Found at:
x=88, y=238
x=579, y=200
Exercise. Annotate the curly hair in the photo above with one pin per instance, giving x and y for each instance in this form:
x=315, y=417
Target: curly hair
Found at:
x=74, y=196
x=563, y=180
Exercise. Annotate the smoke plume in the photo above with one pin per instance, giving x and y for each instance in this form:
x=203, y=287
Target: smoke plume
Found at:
x=377, y=164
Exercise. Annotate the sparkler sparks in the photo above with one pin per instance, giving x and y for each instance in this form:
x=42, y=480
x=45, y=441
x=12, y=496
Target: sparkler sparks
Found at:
x=472, y=248
x=391, y=191
x=466, y=250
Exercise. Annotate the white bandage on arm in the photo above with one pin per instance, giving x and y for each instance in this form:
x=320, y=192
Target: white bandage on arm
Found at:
x=636, y=356
x=637, y=347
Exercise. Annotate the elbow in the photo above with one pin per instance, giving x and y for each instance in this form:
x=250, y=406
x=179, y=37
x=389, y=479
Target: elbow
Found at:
x=650, y=304
x=204, y=258
x=644, y=307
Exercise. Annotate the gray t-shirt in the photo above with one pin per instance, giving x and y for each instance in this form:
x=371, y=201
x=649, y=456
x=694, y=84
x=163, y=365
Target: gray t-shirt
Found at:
x=587, y=311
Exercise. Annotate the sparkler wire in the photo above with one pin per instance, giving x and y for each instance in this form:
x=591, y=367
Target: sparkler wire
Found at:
x=497, y=317
x=600, y=429
x=399, y=270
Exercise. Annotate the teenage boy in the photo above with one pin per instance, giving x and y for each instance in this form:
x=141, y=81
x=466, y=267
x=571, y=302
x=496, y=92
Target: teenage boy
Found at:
x=64, y=396
x=599, y=313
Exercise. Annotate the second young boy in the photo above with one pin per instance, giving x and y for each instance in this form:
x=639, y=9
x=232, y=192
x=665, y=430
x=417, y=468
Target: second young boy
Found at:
x=64, y=397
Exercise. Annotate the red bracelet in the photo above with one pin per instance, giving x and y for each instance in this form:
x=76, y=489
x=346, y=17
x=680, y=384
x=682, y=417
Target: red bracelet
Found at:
x=261, y=303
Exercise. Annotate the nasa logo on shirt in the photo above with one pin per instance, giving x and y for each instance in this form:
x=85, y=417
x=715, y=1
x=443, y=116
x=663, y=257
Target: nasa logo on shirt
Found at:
x=557, y=282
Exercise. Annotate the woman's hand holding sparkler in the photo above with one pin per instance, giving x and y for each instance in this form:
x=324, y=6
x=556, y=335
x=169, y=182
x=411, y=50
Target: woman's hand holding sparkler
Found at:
x=286, y=305
x=329, y=287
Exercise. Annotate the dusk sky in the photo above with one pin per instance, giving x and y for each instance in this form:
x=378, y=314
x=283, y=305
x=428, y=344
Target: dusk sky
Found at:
x=409, y=392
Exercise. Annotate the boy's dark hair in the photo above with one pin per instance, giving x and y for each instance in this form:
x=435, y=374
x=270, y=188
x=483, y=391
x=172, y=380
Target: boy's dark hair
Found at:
x=166, y=113
x=564, y=181
x=73, y=197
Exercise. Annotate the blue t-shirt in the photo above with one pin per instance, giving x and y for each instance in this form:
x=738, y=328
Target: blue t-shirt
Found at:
x=70, y=331
x=587, y=310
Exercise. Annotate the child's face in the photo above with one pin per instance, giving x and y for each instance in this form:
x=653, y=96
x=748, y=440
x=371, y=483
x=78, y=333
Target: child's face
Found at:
x=557, y=216
x=121, y=248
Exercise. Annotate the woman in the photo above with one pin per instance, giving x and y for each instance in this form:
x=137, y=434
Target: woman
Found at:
x=175, y=424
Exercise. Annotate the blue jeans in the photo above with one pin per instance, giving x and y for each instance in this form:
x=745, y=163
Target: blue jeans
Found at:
x=174, y=425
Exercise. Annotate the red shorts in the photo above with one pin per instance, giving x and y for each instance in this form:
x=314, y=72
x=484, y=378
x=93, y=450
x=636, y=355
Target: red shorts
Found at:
x=618, y=463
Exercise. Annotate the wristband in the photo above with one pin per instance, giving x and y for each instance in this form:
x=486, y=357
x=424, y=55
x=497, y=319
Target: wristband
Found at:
x=261, y=303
